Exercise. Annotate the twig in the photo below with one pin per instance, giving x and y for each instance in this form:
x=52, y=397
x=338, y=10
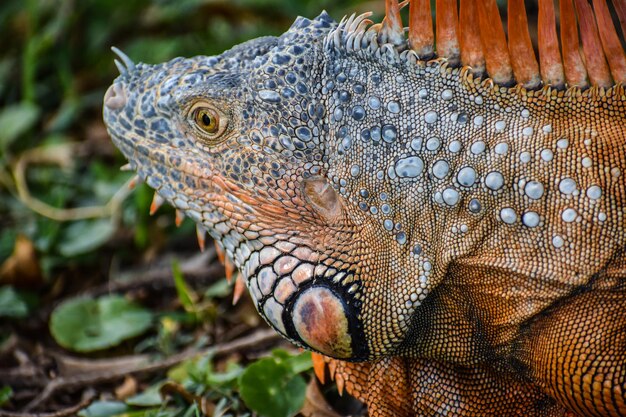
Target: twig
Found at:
x=70, y=411
x=256, y=338
x=197, y=268
x=60, y=156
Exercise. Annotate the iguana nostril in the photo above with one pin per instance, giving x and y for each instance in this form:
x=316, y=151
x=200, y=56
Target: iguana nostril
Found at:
x=115, y=97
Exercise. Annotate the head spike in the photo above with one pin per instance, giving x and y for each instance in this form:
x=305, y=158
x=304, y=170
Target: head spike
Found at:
x=446, y=27
x=340, y=383
x=348, y=23
x=229, y=268
x=471, y=48
x=597, y=69
x=332, y=369
x=180, y=216
x=392, y=30
x=421, y=37
x=549, y=55
x=221, y=255
x=575, y=72
x=129, y=64
x=239, y=289
x=494, y=43
x=319, y=366
x=200, y=234
x=521, y=51
x=610, y=41
x=121, y=68
x=133, y=182
x=157, y=201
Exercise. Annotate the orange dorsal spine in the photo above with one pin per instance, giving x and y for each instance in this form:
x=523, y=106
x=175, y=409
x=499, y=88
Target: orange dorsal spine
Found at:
x=575, y=72
x=421, y=37
x=610, y=41
x=447, y=28
x=586, y=52
x=469, y=31
x=620, y=9
x=597, y=69
x=493, y=41
x=525, y=66
x=549, y=55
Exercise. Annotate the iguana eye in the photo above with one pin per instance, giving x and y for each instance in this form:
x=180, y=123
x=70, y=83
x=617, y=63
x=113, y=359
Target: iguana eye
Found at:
x=208, y=121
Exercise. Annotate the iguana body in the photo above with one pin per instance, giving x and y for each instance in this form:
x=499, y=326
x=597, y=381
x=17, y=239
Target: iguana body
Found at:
x=457, y=245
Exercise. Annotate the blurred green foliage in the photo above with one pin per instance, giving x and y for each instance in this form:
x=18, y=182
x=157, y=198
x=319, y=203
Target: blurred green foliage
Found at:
x=271, y=387
x=66, y=216
x=55, y=65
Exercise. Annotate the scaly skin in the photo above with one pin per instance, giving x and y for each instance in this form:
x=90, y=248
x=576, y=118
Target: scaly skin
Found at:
x=459, y=244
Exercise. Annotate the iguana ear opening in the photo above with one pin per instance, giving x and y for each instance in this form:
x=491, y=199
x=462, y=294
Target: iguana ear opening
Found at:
x=323, y=197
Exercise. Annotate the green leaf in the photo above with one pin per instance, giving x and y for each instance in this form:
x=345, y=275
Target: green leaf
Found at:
x=104, y=409
x=185, y=295
x=192, y=411
x=11, y=303
x=150, y=397
x=150, y=412
x=220, y=289
x=84, y=236
x=224, y=379
x=179, y=373
x=84, y=324
x=15, y=120
x=299, y=363
x=5, y=394
x=270, y=388
x=7, y=243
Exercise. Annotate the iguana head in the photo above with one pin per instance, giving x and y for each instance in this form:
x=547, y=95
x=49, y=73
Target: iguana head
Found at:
x=248, y=144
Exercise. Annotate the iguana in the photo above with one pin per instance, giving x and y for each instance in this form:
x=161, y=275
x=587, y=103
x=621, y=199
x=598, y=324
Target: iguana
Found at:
x=436, y=210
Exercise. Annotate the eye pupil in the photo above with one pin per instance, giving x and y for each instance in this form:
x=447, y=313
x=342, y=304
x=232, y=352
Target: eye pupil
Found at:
x=206, y=121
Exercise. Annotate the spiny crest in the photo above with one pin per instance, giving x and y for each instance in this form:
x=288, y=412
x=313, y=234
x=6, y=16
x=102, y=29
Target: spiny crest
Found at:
x=473, y=36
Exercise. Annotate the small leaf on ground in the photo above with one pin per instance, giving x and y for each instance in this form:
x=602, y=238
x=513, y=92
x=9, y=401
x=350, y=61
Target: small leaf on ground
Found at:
x=104, y=409
x=22, y=267
x=270, y=388
x=84, y=324
x=5, y=394
x=86, y=235
x=11, y=303
x=185, y=295
x=228, y=378
x=220, y=289
x=15, y=120
x=316, y=404
x=297, y=363
x=149, y=397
